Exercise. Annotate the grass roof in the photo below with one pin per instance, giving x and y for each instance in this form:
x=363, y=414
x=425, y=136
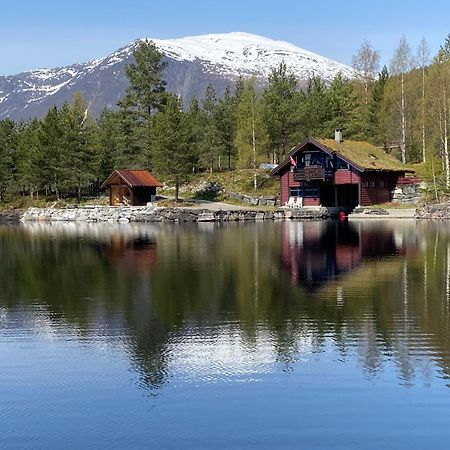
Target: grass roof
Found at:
x=364, y=155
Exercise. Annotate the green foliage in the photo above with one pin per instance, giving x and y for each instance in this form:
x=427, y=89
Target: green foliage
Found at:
x=281, y=101
x=8, y=147
x=251, y=134
x=171, y=141
x=146, y=92
x=407, y=112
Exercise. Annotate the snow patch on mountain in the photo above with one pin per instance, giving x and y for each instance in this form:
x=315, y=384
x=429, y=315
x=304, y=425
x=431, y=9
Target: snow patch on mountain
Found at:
x=222, y=56
x=245, y=53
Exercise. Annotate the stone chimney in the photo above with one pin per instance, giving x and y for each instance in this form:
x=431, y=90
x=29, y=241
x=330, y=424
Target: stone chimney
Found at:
x=338, y=135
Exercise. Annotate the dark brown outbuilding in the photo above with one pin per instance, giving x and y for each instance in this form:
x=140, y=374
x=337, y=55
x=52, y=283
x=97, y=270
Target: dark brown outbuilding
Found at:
x=131, y=187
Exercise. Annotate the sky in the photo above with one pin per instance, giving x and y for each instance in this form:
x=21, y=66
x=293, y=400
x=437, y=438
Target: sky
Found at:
x=52, y=33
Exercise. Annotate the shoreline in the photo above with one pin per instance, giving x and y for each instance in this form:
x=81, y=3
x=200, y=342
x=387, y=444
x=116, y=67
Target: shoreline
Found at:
x=108, y=214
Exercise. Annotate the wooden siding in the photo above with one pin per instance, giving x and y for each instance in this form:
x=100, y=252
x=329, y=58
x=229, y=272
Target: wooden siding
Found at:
x=376, y=188
x=308, y=201
x=287, y=181
x=346, y=176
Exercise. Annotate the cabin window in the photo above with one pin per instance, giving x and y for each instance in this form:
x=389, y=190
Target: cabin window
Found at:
x=295, y=192
x=381, y=184
x=341, y=164
x=311, y=192
x=304, y=192
x=313, y=159
x=372, y=184
x=365, y=184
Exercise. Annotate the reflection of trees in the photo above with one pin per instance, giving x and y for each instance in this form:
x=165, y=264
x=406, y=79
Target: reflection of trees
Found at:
x=391, y=301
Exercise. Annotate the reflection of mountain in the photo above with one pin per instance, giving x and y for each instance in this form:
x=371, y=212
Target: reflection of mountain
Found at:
x=317, y=253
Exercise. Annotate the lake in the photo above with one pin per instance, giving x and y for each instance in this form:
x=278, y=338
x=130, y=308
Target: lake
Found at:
x=246, y=335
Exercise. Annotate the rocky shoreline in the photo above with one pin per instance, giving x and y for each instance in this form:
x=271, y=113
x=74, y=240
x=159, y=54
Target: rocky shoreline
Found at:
x=440, y=211
x=154, y=214
x=10, y=216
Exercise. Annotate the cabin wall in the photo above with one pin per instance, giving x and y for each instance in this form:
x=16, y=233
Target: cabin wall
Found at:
x=287, y=181
x=310, y=191
x=346, y=176
x=376, y=188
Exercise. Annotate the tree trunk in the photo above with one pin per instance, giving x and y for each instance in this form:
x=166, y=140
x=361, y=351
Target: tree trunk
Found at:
x=446, y=157
x=423, y=115
x=177, y=188
x=254, y=147
x=403, y=130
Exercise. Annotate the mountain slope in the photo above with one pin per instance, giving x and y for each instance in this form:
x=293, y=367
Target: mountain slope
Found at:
x=193, y=63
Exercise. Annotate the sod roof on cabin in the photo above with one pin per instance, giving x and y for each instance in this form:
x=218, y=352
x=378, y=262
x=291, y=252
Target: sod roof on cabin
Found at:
x=364, y=155
x=359, y=154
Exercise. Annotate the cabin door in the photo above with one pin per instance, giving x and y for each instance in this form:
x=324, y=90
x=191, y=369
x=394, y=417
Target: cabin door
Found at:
x=347, y=195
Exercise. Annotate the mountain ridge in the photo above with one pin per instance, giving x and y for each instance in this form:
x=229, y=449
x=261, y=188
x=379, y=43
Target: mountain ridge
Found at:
x=194, y=62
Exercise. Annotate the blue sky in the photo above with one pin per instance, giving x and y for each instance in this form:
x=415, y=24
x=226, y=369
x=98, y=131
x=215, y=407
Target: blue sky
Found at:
x=50, y=33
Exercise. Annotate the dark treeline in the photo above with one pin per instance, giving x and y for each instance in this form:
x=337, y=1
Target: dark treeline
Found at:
x=404, y=109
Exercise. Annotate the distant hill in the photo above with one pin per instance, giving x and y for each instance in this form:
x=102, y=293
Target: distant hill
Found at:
x=194, y=62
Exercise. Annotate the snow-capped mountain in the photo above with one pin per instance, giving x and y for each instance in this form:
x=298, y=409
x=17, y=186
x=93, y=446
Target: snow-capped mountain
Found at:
x=193, y=62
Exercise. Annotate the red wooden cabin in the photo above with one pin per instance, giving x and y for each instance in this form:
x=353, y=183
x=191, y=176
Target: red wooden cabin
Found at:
x=131, y=187
x=339, y=173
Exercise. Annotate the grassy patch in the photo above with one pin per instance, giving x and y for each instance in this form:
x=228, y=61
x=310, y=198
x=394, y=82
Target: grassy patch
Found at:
x=23, y=203
x=238, y=181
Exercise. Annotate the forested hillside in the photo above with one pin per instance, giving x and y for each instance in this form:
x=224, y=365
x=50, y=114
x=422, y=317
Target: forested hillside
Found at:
x=403, y=108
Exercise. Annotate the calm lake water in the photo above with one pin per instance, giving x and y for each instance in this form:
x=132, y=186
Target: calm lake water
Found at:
x=270, y=335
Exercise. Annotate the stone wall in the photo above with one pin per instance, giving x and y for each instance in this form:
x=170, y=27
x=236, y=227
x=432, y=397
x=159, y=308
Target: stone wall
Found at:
x=261, y=200
x=406, y=194
x=151, y=214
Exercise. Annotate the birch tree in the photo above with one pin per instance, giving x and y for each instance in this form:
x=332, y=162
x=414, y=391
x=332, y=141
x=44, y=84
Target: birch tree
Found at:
x=441, y=67
x=366, y=62
x=251, y=134
x=400, y=64
x=423, y=59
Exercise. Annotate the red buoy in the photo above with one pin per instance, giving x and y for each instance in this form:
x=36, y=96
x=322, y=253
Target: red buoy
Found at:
x=342, y=216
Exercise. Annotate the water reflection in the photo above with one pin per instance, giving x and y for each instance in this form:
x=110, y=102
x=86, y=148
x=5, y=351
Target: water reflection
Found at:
x=317, y=253
x=238, y=301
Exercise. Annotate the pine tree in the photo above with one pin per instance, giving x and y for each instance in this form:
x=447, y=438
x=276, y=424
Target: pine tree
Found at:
x=343, y=104
x=315, y=108
x=29, y=151
x=108, y=141
x=172, y=141
x=78, y=158
x=281, y=111
x=8, y=148
x=226, y=125
x=211, y=145
x=374, y=131
x=51, y=136
x=146, y=92
x=144, y=97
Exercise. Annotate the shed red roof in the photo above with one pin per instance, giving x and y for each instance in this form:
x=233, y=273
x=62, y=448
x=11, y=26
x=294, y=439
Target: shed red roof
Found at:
x=133, y=178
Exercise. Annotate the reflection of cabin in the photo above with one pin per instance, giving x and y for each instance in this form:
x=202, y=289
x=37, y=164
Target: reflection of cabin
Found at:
x=131, y=187
x=339, y=173
x=316, y=254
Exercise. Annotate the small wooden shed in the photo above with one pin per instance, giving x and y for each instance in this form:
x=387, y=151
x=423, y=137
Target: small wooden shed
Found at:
x=131, y=187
